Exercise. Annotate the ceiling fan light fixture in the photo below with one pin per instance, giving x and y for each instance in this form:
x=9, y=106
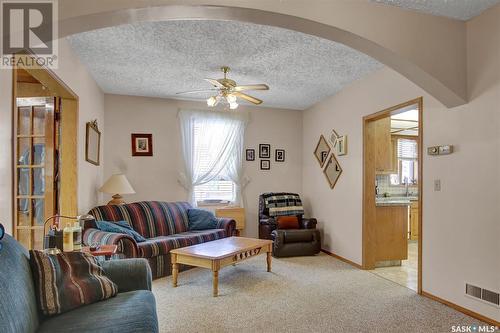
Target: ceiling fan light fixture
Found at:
x=233, y=105
x=212, y=101
x=231, y=99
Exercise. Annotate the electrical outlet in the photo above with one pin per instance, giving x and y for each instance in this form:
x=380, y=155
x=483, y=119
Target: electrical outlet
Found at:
x=437, y=185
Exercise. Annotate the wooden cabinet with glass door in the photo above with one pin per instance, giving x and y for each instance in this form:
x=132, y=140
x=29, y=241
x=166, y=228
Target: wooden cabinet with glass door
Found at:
x=34, y=186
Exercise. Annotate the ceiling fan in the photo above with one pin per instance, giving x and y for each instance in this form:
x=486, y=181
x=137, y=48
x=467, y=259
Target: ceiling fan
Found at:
x=227, y=90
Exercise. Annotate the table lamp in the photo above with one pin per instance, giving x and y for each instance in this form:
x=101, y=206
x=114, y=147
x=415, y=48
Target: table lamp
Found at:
x=117, y=184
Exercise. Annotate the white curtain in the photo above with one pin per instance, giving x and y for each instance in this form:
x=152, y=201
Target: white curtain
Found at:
x=222, y=133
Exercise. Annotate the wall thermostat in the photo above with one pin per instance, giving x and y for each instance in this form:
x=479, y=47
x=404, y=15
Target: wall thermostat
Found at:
x=440, y=150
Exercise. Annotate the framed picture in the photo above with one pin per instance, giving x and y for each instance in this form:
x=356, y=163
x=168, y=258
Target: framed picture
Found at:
x=279, y=155
x=142, y=144
x=265, y=164
x=341, y=145
x=322, y=151
x=264, y=150
x=92, y=143
x=250, y=154
x=332, y=171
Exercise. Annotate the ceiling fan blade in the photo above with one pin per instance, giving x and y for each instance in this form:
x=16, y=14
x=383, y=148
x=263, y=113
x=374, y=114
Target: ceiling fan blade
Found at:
x=197, y=91
x=215, y=83
x=247, y=97
x=251, y=87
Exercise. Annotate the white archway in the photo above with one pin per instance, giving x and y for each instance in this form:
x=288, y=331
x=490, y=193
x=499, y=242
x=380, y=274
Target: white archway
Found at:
x=427, y=81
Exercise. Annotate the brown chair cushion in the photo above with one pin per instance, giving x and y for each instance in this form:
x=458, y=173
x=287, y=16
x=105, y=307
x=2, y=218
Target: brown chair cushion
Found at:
x=288, y=222
x=68, y=280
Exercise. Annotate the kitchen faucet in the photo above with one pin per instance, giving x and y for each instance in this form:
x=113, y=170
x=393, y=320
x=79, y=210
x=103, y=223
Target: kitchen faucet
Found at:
x=407, y=187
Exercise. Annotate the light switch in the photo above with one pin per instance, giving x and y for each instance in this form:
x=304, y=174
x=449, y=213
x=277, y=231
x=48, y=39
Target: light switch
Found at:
x=437, y=185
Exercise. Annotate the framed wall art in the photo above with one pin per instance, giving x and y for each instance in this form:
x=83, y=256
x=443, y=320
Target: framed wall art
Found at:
x=264, y=150
x=322, y=150
x=265, y=164
x=279, y=155
x=92, y=143
x=250, y=154
x=142, y=144
x=332, y=171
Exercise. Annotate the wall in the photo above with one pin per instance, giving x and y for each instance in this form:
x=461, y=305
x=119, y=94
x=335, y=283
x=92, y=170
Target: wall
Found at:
x=384, y=186
x=91, y=98
x=155, y=178
x=460, y=223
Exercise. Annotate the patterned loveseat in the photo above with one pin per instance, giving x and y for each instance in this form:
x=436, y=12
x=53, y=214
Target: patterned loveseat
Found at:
x=163, y=224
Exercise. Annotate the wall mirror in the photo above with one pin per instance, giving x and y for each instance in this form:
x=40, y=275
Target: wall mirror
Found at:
x=332, y=171
x=322, y=150
x=92, y=143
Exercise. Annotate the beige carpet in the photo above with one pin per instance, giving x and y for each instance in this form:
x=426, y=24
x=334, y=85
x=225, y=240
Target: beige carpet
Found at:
x=304, y=294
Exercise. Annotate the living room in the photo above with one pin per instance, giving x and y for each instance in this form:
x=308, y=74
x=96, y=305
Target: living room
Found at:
x=123, y=86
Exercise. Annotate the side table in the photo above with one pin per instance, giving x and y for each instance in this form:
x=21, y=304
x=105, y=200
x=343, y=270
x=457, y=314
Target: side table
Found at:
x=104, y=250
x=235, y=213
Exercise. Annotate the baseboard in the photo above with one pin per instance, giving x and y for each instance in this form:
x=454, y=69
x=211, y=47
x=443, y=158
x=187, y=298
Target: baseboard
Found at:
x=462, y=309
x=341, y=258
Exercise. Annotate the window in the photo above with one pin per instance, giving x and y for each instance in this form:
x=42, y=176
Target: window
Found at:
x=407, y=151
x=222, y=188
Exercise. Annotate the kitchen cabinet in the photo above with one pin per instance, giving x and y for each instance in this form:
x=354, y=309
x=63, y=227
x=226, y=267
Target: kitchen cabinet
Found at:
x=383, y=145
x=414, y=211
x=391, y=232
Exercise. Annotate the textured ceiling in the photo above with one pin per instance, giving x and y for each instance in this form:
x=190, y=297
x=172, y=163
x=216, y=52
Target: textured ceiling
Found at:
x=158, y=59
x=457, y=9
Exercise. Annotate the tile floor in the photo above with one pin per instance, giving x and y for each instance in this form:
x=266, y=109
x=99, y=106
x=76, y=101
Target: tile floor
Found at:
x=406, y=274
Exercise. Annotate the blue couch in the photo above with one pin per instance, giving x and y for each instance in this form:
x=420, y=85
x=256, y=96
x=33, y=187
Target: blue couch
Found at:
x=133, y=309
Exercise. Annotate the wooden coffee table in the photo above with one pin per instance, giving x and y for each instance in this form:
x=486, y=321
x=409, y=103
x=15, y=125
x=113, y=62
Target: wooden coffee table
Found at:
x=219, y=253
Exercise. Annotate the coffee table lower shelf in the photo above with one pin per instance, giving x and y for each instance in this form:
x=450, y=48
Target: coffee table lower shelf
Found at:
x=217, y=254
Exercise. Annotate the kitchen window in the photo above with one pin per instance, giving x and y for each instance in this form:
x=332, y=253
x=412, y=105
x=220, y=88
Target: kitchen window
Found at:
x=407, y=153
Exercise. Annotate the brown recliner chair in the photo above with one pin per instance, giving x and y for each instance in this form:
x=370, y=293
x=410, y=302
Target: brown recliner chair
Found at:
x=287, y=242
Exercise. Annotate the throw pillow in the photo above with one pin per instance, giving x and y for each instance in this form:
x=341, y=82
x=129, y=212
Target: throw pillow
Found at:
x=287, y=222
x=200, y=219
x=68, y=280
x=120, y=227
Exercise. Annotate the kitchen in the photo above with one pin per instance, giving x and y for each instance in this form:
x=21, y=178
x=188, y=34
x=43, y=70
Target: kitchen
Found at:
x=395, y=234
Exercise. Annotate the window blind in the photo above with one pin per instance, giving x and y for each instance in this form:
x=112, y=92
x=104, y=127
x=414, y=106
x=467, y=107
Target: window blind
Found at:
x=407, y=149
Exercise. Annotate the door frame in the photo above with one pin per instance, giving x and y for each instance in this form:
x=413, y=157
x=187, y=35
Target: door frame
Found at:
x=53, y=86
x=368, y=259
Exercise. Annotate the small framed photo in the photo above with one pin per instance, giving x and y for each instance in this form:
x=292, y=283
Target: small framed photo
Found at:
x=250, y=154
x=279, y=155
x=265, y=164
x=340, y=145
x=264, y=150
x=142, y=144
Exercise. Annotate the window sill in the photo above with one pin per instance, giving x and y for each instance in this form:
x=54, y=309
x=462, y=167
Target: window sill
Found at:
x=214, y=204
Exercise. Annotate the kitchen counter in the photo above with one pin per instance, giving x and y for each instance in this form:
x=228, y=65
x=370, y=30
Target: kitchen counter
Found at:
x=394, y=201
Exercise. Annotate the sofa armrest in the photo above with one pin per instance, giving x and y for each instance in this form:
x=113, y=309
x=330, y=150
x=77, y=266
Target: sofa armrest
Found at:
x=128, y=274
x=229, y=225
x=126, y=244
x=308, y=223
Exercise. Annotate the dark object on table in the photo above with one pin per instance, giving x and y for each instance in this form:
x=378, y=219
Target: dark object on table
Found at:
x=305, y=240
x=133, y=309
x=94, y=247
x=53, y=239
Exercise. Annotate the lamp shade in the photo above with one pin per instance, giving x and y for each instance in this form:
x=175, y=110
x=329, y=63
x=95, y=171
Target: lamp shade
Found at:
x=117, y=184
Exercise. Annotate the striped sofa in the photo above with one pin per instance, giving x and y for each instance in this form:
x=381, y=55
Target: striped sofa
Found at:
x=163, y=224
